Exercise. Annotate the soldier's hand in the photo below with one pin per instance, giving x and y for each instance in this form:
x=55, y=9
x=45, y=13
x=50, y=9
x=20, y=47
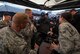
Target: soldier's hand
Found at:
x=36, y=46
x=54, y=46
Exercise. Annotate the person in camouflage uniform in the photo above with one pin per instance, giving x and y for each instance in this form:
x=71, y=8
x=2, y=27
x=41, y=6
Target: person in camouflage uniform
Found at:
x=69, y=38
x=11, y=41
x=5, y=21
x=29, y=30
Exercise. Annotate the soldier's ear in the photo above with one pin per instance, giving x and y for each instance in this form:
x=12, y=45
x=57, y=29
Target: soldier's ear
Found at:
x=62, y=18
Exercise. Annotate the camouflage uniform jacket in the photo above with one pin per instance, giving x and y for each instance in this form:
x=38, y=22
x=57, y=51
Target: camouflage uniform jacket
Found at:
x=27, y=32
x=11, y=42
x=69, y=39
x=3, y=24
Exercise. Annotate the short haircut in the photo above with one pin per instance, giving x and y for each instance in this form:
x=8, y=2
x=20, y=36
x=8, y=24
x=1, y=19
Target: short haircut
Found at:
x=66, y=16
x=27, y=10
x=72, y=10
x=19, y=18
x=6, y=14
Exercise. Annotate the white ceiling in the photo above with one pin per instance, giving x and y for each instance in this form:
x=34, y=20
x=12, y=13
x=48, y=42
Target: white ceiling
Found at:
x=38, y=1
x=49, y=3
